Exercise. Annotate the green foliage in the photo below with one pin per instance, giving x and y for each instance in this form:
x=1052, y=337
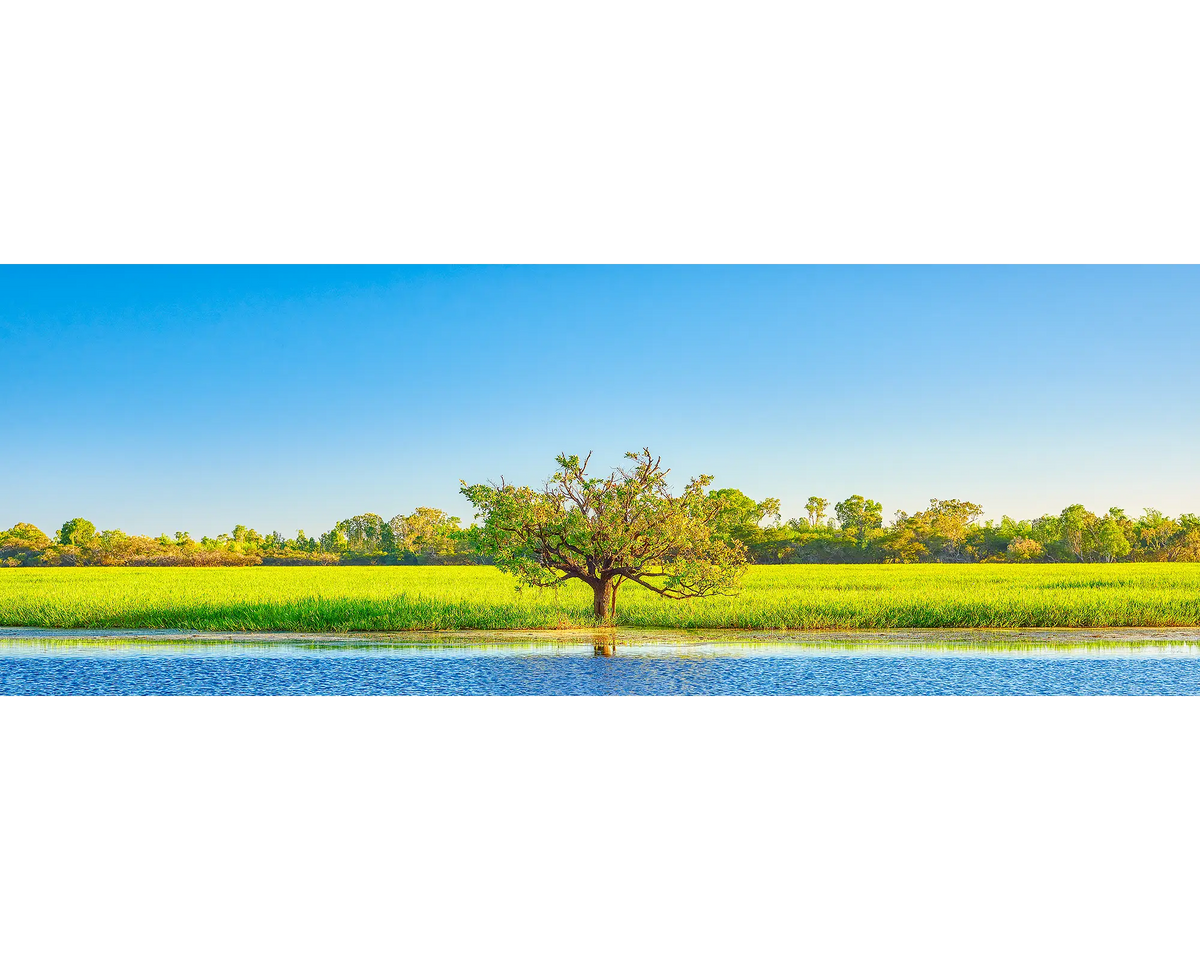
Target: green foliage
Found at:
x=77, y=533
x=1024, y=549
x=362, y=534
x=301, y=544
x=859, y=517
x=335, y=541
x=903, y=545
x=424, y=536
x=606, y=530
x=1047, y=531
x=113, y=543
x=21, y=545
x=25, y=535
x=1109, y=539
x=1156, y=532
x=941, y=532
x=947, y=531
x=429, y=536
x=247, y=538
x=738, y=518
x=1075, y=529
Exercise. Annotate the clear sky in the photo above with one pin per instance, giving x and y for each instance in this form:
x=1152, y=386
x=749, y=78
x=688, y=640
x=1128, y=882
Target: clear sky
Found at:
x=160, y=398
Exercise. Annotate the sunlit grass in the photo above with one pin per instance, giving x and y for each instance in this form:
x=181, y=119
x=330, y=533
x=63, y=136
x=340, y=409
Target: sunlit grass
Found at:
x=338, y=599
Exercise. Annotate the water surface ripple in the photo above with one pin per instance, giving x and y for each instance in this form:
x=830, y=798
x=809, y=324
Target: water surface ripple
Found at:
x=934, y=663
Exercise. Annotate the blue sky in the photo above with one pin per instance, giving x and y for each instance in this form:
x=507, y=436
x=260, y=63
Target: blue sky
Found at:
x=162, y=398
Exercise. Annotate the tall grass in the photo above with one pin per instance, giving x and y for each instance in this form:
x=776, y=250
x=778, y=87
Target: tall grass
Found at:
x=338, y=599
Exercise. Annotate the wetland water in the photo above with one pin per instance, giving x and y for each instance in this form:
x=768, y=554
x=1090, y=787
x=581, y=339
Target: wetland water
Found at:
x=1130, y=662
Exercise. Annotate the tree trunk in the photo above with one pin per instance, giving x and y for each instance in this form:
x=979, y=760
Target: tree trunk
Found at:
x=602, y=600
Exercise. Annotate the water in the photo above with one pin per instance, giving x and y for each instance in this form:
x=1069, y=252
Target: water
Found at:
x=901, y=663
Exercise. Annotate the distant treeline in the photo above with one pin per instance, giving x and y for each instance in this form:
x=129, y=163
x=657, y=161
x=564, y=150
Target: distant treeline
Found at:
x=426, y=536
x=948, y=531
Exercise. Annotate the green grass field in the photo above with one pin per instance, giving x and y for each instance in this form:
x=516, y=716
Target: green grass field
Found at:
x=338, y=599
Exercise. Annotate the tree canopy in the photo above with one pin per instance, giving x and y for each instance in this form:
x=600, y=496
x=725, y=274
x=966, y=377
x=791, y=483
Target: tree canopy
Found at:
x=948, y=531
x=606, y=530
x=739, y=518
x=77, y=533
x=859, y=515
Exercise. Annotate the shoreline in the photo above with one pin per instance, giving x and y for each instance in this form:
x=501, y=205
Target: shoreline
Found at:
x=634, y=636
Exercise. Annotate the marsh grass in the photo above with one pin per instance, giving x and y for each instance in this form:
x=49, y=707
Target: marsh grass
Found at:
x=808, y=597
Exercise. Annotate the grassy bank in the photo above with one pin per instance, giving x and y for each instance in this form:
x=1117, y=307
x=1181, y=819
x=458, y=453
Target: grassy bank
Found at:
x=431, y=598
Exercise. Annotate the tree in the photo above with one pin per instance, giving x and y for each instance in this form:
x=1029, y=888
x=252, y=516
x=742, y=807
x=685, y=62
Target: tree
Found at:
x=22, y=543
x=1110, y=539
x=739, y=518
x=427, y=533
x=606, y=530
x=815, y=508
x=944, y=527
x=902, y=545
x=1047, y=532
x=363, y=533
x=1024, y=549
x=857, y=516
x=304, y=543
x=1187, y=541
x=113, y=546
x=77, y=533
x=334, y=541
x=942, y=531
x=1156, y=530
x=1075, y=526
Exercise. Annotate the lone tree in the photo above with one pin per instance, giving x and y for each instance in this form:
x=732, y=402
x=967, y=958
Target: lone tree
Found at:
x=606, y=530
